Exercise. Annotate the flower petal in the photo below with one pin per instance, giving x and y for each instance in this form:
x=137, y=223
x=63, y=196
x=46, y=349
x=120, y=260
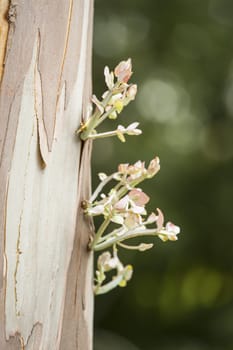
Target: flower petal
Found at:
x=122, y=203
x=109, y=78
x=139, y=197
x=131, y=92
x=151, y=218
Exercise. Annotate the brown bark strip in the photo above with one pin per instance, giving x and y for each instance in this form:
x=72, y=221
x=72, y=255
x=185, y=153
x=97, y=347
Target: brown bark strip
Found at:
x=4, y=27
x=75, y=329
x=79, y=301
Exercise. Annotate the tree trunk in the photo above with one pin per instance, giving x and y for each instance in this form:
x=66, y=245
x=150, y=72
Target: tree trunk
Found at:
x=46, y=299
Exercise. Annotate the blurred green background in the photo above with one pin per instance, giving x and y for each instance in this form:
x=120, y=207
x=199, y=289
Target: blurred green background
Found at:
x=181, y=293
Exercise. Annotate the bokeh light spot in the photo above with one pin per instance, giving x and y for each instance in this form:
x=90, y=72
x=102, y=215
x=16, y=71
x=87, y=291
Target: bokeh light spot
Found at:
x=158, y=100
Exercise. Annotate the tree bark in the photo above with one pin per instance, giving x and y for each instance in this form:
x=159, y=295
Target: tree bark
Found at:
x=46, y=298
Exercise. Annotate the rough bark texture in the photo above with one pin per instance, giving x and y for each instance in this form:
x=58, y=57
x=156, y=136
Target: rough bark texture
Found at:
x=46, y=299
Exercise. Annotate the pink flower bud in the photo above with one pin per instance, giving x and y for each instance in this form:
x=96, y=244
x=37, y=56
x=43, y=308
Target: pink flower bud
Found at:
x=123, y=71
x=153, y=167
x=160, y=219
x=170, y=227
x=123, y=168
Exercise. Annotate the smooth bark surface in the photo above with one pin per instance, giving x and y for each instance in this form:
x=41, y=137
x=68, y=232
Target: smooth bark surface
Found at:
x=46, y=299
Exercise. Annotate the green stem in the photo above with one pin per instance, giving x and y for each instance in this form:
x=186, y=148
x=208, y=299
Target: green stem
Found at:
x=99, y=233
x=104, y=116
x=101, y=186
x=129, y=235
x=108, y=286
x=129, y=247
x=103, y=135
x=90, y=125
x=109, y=235
x=96, y=118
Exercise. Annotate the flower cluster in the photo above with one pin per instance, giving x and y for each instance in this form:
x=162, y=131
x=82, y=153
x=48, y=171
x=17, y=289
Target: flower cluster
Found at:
x=118, y=95
x=124, y=208
x=107, y=263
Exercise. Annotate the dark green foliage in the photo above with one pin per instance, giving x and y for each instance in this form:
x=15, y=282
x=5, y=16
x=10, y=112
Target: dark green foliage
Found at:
x=181, y=295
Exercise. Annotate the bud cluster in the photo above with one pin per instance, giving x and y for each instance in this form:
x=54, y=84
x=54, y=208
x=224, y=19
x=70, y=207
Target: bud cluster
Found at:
x=118, y=95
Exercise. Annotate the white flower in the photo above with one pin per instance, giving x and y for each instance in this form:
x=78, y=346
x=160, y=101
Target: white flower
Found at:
x=170, y=232
x=106, y=262
x=132, y=220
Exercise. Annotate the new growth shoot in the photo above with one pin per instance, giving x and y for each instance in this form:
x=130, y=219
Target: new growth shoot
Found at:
x=119, y=94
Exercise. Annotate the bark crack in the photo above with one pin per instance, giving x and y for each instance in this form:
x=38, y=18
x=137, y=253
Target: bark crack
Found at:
x=22, y=345
x=70, y=12
x=18, y=244
x=36, y=328
x=38, y=107
x=64, y=54
x=5, y=266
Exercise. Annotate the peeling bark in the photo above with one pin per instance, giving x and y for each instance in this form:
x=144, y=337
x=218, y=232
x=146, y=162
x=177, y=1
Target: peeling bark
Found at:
x=46, y=299
x=4, y=4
